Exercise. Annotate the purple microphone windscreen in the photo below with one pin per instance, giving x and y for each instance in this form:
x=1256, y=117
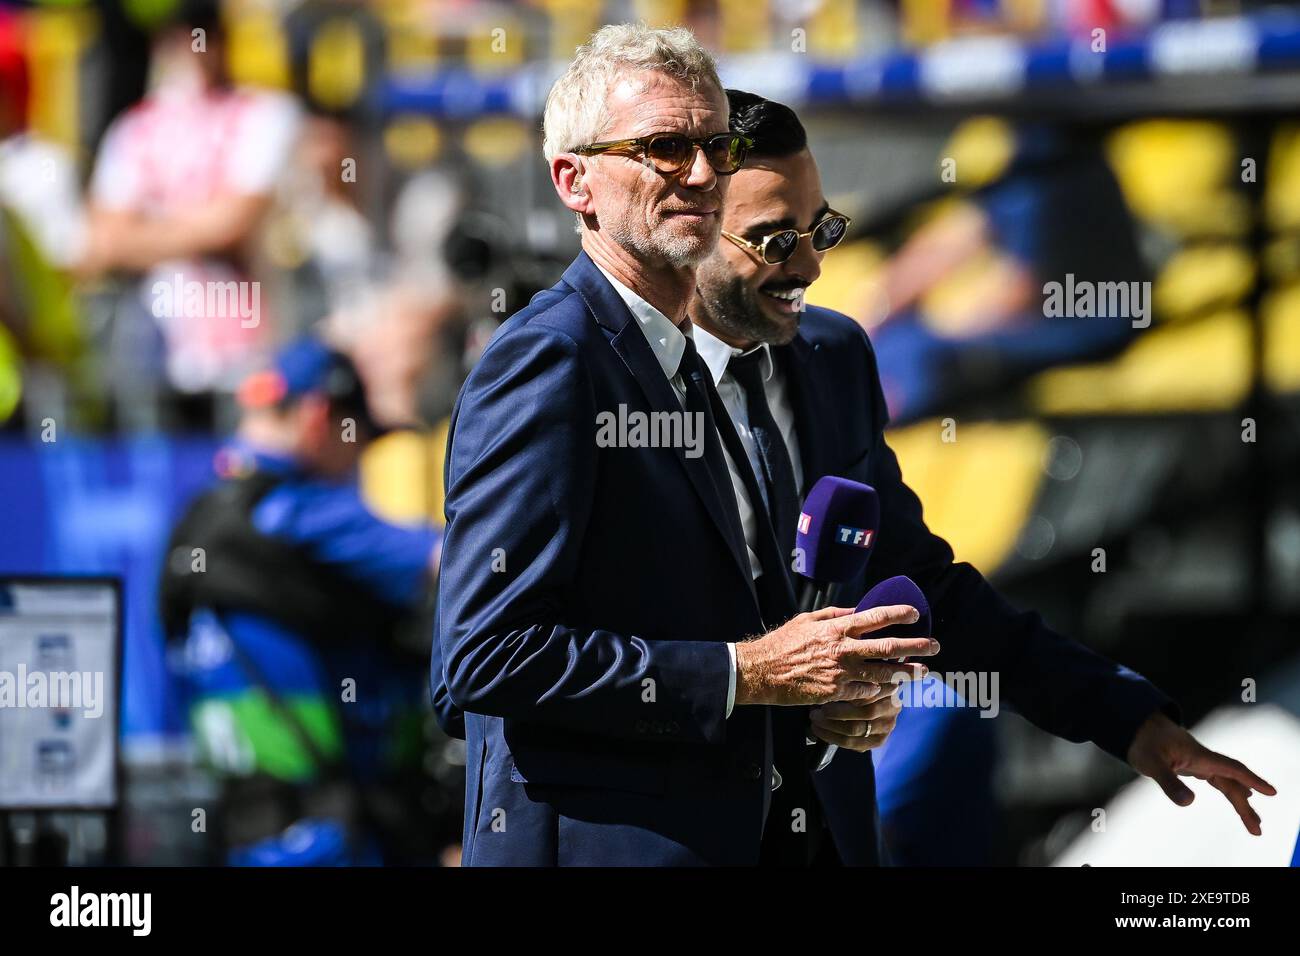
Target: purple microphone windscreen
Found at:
x=837, y=530
x=899, y=590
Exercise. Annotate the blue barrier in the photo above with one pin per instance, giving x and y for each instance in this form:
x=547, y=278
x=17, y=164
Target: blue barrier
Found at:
x=976, y=67
x=81, y=506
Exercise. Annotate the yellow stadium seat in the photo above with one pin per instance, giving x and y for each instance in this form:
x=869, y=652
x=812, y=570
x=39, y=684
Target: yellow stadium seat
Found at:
x=998, y=464
x=401, y=475
x=1197, y=366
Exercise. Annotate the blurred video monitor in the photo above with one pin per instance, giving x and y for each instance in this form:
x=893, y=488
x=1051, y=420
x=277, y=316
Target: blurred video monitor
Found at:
x=60, y=641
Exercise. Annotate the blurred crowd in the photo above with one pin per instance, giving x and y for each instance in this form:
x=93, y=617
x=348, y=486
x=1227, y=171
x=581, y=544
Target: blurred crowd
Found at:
x=216, y=222
x=187, y=184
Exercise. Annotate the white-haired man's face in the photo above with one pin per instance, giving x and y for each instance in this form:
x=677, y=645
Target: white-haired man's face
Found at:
x=661, y=219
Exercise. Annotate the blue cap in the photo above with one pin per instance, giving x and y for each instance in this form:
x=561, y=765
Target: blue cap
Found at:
x=304, y=366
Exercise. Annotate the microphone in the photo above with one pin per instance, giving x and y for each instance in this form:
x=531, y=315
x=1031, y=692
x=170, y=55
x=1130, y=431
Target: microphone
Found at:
x=898, y=590
x=835, y=535
x=833, y=542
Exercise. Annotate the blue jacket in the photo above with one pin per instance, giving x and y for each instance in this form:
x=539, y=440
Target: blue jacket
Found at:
x=587, y=593
x=1056, y=683
x=585, y=600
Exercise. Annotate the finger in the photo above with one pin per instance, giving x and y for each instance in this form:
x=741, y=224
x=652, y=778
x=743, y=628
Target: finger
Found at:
x=1221, y=765
x=884, y=693
x=846, y=728
x=1239, y=796
x=1174, y=788
x=826, y=613
x=881, y=728
x=887, y=693
x=877, y=618
x=889, y=674
x=891, y=691
x=884, y=648
x=857, y=690
x=886, y=706
x=859, y=744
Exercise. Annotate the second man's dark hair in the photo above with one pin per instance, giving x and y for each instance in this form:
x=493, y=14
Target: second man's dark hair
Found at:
x=774, y=127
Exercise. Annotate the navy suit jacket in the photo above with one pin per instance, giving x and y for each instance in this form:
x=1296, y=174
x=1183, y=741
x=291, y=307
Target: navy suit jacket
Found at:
x=585, y=600
x=1056, y=683
x=586, y=594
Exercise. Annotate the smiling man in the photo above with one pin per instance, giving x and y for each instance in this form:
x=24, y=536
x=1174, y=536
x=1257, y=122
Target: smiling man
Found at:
x=802, y=389
x=596, y=595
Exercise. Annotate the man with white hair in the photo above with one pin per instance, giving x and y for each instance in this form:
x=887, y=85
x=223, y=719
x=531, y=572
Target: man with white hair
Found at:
x=603, y=563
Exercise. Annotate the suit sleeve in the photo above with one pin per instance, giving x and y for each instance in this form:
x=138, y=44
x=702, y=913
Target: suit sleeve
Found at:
x=450, y=717
x=522, y=472
x=1058, y=684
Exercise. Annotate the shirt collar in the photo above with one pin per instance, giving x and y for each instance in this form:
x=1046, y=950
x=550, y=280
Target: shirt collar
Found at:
x=716, y=354
x=241, y=457
x=667, y=341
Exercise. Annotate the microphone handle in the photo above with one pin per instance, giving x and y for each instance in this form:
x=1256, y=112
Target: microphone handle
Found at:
x=814, y=597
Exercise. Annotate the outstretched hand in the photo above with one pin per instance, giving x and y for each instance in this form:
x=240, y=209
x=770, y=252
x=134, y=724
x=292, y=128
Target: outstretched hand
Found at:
x=1164, y=752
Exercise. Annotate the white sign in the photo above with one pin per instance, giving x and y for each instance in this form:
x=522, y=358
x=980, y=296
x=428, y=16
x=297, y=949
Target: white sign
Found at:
x=58, y=694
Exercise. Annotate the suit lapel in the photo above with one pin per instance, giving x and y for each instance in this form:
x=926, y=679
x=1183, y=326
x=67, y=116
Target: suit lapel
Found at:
x=612, y=313
x=775, y=568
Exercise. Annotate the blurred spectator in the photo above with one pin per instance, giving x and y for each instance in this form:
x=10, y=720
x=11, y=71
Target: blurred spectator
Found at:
x=322, y=236
x=287, y=594
x=398, y=343
x=181, y=184
x=38, y=178
x=963, y=296
x=41, y=231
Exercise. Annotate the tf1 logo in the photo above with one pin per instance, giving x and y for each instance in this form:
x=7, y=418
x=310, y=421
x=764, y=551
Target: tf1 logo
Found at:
x=858, y=537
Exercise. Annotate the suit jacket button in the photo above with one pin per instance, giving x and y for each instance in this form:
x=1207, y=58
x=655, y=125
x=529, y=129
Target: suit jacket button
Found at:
x=754, y=771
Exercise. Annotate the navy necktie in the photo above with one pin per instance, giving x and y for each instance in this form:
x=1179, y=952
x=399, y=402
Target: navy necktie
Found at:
x=774, y=457
x=782, y=845
x=698, y=389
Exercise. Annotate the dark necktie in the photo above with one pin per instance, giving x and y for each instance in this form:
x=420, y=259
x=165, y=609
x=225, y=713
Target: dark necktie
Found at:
x=782, y=845
x=693, y=374
x=774, y=458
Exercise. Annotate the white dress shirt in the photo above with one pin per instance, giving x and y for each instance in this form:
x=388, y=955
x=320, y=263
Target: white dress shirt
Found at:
x=717, y=355
x=668, y=342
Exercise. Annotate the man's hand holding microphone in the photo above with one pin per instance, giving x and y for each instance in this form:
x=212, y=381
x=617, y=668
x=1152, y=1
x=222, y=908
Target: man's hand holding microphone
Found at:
x=828, y=659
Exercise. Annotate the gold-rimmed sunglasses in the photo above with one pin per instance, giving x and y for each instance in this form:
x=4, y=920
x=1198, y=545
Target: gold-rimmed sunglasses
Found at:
x=670, y=153
x=779, y=246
